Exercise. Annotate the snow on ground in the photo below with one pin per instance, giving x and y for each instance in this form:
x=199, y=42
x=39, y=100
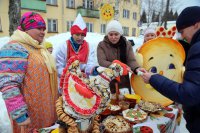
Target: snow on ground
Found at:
x=3, y=40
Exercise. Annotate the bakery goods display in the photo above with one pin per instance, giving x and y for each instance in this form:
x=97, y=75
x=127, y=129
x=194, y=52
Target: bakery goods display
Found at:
x=124, y=105
x=135, y=115
x=150, y=106
x=116, y=124
x=115, y=109
x=83, y=98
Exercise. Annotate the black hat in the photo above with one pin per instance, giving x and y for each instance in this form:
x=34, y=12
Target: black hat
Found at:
x=188, y=17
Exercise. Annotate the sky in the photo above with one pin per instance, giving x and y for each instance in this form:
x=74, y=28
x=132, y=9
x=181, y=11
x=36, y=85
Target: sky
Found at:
x=178, y=5
x=181, y=4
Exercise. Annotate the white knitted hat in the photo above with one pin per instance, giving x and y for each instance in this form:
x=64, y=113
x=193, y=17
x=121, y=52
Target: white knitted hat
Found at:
x=149, y=30
x=114, y=25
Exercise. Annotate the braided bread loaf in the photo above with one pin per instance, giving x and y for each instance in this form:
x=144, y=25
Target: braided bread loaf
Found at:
x=96, y=124
x=65, y=118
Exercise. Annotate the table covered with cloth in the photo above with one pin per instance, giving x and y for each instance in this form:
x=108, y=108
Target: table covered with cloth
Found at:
x=163, y=121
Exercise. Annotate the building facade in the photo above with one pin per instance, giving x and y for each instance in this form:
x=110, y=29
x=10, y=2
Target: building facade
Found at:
x=60, y=14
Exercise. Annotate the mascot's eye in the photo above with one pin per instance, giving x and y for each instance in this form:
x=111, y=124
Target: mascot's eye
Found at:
x=153, y=70
x=171, y=66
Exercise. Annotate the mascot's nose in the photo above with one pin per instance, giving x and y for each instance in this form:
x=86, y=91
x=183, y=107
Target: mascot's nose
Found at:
x=161, y=72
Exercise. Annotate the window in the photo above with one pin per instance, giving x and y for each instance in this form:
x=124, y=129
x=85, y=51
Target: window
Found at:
x=103, y=28
x=52, y=2
x=126, y=31
x=52, y=25
x=133, y=31
x=88, y=4
x=126, y=13
x=135, y=2
x=89, y=27
x=134, y=15
x=0, y=25
x=69, y=25
x=71, y=3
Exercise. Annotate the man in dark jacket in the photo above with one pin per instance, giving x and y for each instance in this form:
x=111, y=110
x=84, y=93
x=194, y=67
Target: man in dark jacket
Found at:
x=188, y=92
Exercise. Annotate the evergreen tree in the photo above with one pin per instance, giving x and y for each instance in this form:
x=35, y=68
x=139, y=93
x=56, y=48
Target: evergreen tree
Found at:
x=143, y=18
x=171, y=16
x=175, y=15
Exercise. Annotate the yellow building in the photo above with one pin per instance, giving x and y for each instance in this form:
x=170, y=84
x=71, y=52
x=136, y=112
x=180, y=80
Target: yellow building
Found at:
x=60, y=14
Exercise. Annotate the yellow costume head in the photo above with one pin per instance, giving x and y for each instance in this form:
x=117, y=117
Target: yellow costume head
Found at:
x=164, y=56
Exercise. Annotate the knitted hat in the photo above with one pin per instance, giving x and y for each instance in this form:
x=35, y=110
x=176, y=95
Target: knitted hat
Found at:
x=79, y=26
x=48, y=45
x=114, y=25
x=188, y=17
x=149, y=30
x=31, y=20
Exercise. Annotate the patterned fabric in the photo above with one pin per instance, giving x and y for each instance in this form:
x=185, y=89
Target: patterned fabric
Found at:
x=163, y=121
x=26, y=85
x=37, y=93
x=26, y=39
x=12, y=71
x=31, y=20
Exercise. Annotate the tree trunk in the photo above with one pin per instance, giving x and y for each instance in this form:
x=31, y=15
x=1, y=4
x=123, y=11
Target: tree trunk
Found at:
x=14, y=14
x=166, y=16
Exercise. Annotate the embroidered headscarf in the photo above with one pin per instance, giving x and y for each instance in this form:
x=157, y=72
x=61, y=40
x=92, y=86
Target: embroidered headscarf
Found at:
x=31, y=20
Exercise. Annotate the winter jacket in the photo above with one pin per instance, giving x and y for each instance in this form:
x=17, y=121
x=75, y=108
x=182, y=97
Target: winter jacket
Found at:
x=188, y=92
x=107, y=52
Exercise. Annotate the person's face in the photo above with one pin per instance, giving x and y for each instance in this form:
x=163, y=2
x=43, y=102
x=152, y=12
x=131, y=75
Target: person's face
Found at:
x=37, y=34
x=114, y=37
x=78, y=38
x=50, y=50
x=187, y=33
x=149, y=36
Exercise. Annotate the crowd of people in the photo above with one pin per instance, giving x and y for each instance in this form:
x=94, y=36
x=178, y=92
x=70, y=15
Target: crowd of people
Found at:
x=29, y=74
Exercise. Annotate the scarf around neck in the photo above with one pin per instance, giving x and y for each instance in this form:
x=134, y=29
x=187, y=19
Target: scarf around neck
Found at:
x=74, y=44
